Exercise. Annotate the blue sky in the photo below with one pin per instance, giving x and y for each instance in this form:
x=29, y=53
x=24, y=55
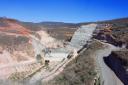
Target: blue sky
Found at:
x=64, y=10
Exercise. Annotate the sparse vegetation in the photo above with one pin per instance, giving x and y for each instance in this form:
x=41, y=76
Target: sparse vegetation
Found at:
x=80, y=71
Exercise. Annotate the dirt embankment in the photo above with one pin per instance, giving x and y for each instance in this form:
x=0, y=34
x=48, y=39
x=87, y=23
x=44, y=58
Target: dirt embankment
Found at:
x=113, y=34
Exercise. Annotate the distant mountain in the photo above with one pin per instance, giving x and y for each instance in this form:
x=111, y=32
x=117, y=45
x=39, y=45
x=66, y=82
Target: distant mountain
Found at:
x=31, y=26
x=120, y=20
x=116, y=22
x=57, y=25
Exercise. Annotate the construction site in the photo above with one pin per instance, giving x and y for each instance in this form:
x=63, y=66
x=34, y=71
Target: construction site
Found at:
x=48, y=61
x=44, y=58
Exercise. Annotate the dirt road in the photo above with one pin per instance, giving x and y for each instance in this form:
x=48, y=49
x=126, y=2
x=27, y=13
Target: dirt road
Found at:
x=108, y=77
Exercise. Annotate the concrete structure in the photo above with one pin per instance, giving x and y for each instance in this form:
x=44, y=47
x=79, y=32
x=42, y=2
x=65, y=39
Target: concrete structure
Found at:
x=81, y=36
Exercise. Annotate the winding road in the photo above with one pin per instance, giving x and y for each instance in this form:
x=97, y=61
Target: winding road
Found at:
x=108, y=77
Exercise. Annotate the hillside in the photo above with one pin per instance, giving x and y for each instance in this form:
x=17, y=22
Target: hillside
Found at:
x=16, y=41
x=25, y=41
x=114, y=32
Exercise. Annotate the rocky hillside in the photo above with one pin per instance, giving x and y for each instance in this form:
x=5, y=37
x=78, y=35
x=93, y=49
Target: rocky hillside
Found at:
x=114, y=32
x=15, y=40
x=16, y=46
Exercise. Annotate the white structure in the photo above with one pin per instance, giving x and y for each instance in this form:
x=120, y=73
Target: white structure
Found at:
x=81, y=36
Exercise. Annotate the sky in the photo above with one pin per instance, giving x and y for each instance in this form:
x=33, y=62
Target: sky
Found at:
x=73, y=11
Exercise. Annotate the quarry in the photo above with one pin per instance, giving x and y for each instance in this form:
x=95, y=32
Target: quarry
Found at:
x=42, y=59
x=49, y=61
x=43, y=55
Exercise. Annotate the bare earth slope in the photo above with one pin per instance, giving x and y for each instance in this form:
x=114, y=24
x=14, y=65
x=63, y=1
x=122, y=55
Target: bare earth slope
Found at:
x=16, y=47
